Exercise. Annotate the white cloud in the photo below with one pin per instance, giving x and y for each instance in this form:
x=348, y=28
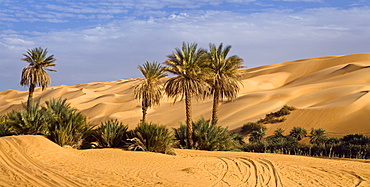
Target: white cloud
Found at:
x=113, y=50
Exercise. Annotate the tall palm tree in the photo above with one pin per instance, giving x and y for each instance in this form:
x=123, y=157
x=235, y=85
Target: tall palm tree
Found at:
x=34, y=74
x=225, y=77
x=148, y=90
x=188, y=63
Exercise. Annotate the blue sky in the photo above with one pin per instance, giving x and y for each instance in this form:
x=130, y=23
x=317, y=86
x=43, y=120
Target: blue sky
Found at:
x=97, y=40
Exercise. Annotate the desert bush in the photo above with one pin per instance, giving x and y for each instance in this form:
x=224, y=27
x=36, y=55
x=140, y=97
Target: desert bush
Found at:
x=66, y=126
x=154, y=137
x=252, y=126
x=276, y=117
x=27, y=121
x=110, y=133
x=238, y=138
x=206, y=136
x=181, y=136
x=4, y=130
x=271, y=120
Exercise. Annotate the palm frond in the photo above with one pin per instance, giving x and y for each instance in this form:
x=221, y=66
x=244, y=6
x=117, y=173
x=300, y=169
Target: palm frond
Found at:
x=225, y=72
x=189, y=64
x=149, y=89
x=35, y=72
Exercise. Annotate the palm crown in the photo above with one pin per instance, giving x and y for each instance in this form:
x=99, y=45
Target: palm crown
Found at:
x=188, y=64
x=34, y=73
x=225, y=71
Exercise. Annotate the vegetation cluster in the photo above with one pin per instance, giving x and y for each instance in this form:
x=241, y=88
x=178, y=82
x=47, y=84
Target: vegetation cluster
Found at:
x=350, y=146
x=207, y=136
x=64, y=125
x=198, y=73
x=273, y=117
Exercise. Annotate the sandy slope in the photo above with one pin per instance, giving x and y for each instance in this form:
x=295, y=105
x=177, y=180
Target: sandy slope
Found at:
x=36, y=161
x=329, y=92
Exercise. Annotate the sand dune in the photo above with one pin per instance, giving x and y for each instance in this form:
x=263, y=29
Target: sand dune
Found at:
x=329, y=92
x=36, y=161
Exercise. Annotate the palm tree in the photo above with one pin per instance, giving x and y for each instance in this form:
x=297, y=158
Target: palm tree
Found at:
x=34, y=73
x=257, y=135
x=225, y=76
x=148, y=90
x=298, y=132
x=318, y=136
x=278, y=132
x=188, y=63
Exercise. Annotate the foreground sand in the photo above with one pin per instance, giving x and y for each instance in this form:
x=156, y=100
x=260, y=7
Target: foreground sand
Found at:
x=329, y=92
x=36, y=161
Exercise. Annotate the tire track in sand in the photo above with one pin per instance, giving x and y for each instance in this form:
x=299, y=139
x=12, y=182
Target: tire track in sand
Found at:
x=242, y=171
x=15, y=158
x=239, y=170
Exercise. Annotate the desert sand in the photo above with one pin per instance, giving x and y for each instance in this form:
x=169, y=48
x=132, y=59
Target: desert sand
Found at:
x=328, y=92
x=35, y=161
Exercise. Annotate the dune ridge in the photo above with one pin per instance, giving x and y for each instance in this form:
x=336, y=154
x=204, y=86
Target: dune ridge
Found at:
x=329, y=92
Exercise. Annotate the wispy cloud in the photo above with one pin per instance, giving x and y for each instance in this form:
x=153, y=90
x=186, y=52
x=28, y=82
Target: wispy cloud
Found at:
x=96, y=44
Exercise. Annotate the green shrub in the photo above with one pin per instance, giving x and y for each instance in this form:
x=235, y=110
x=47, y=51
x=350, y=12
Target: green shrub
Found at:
x=276, y=117
x=206, y=136
x=110, y=133
x=238, y=138
x=66, y=126
x=4, y=130
x=271, y=120
x=31, y=121
x=154, y=137
x=252, y=126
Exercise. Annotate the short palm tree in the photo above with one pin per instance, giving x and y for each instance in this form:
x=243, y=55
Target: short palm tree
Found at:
x=257, y=135
x=225, y=77
x=149, y=90
x=34, y=74
x=318, y=136
x=188, y=63
x=298, y=132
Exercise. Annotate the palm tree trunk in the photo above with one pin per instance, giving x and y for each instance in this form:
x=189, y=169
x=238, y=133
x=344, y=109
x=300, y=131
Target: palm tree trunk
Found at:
x=144, y=109
x=30, y=95
x=189, y=125
x=216, y=101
